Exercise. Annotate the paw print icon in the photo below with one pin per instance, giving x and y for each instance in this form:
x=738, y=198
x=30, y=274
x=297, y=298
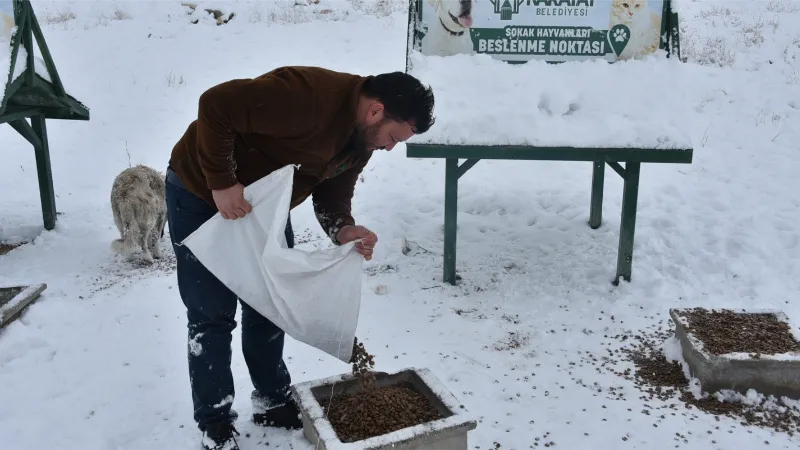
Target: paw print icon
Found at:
x=620, y=35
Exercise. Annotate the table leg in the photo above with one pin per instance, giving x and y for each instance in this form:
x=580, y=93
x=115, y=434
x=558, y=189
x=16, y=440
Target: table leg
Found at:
x=630, y=196
x=596, y=208
x=46, y=191
x=450, y=225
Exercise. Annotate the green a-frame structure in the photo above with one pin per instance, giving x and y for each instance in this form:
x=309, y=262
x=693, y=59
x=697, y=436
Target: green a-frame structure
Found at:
x=34, y=91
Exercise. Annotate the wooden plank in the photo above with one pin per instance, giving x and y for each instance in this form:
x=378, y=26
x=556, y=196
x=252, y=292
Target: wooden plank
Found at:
x=46, y=56
x=14, y=299
x=42, y=97
x=26, y=130
x=17, y=114
x=28, y=43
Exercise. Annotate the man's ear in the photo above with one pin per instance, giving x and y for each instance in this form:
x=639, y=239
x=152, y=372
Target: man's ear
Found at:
x=375, y=113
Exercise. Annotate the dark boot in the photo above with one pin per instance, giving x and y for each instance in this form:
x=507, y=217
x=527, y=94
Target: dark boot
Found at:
x=220, y=437
x=283, y=416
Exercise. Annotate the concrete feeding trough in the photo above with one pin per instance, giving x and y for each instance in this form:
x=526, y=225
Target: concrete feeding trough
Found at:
x=14, y=299
x=775, y=374
x=447, y=433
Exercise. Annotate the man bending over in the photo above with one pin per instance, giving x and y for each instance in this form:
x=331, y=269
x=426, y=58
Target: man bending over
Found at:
x=327, y=122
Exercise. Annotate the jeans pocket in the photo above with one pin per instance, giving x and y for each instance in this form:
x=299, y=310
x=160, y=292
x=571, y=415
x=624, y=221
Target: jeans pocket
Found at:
x=190, y=204
x=187, y=212
x=193, y=206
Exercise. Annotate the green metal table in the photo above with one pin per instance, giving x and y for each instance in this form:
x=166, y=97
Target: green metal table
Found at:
x=600, y=157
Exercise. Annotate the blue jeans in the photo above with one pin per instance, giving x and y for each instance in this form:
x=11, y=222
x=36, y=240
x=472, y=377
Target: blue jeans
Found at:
x=210, y=310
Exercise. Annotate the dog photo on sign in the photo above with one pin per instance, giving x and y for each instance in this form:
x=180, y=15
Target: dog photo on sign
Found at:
x=449, y=28
x=6, y=21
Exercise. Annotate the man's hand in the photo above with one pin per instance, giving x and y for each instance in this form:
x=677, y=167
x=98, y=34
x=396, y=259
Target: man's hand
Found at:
x=231, y=203
x=367, y=238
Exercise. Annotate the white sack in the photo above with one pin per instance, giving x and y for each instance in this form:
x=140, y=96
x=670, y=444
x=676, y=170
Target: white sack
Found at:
x=314, y=297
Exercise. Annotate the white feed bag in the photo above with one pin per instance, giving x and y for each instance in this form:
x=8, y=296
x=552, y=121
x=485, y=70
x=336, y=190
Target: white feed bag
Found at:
x=313, y=296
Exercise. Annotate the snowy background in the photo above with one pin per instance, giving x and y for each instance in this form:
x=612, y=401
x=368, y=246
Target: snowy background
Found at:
x=99, y=362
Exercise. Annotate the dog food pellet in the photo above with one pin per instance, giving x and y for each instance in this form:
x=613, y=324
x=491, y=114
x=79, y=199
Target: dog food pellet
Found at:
x=363, y=363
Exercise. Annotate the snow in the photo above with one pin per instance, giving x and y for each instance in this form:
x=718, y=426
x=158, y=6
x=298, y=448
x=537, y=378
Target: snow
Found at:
x=5, y=67
x=208, y=442
x=41, y=68
x=92, y=14
x=99, y=360
x=20, y=65
x=484, y=101
x=673, y=352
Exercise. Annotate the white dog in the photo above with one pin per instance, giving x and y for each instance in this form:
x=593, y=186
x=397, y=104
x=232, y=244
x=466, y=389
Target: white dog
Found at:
x=448, y=32
x=140, y=211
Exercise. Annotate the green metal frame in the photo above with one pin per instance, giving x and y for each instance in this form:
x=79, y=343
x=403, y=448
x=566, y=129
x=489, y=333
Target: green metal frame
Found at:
x=30, y=96
x=598, y=156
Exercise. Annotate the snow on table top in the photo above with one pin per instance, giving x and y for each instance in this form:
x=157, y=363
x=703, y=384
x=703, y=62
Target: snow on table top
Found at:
x=482, y=101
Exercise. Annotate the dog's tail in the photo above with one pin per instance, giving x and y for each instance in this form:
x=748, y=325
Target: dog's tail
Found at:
x=127, y=244
x=124, y=246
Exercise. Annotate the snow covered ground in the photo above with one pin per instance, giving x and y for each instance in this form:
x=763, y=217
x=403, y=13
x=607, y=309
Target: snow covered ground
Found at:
x=99, y=362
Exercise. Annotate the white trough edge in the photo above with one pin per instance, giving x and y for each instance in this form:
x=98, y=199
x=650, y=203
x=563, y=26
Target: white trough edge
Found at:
x=13, y=306
x=306, y=401
x=698, y=345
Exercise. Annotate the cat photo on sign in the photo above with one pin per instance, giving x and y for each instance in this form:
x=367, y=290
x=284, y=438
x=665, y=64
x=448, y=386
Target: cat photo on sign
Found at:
x=644, y=22
x=6, y=19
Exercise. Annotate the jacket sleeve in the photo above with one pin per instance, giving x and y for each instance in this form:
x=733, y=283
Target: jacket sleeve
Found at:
x=332, y=199
x=279, y=104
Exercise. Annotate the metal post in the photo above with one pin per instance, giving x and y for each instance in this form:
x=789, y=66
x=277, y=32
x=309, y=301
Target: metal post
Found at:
x=46, y=192
x=630, y=196
x=596, y=208
x=450, y=225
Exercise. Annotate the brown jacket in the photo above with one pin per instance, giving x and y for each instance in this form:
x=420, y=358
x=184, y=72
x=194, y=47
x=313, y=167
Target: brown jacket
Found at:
x=247, y=128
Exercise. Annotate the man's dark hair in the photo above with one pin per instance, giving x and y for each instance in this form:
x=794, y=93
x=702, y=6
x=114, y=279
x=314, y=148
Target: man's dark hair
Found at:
x=404, y=99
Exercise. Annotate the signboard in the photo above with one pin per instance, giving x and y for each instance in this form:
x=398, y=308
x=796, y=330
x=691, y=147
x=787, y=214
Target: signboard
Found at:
x=551, y=30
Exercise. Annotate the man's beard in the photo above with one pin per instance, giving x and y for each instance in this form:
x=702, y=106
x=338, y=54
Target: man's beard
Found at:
x=365, y=137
